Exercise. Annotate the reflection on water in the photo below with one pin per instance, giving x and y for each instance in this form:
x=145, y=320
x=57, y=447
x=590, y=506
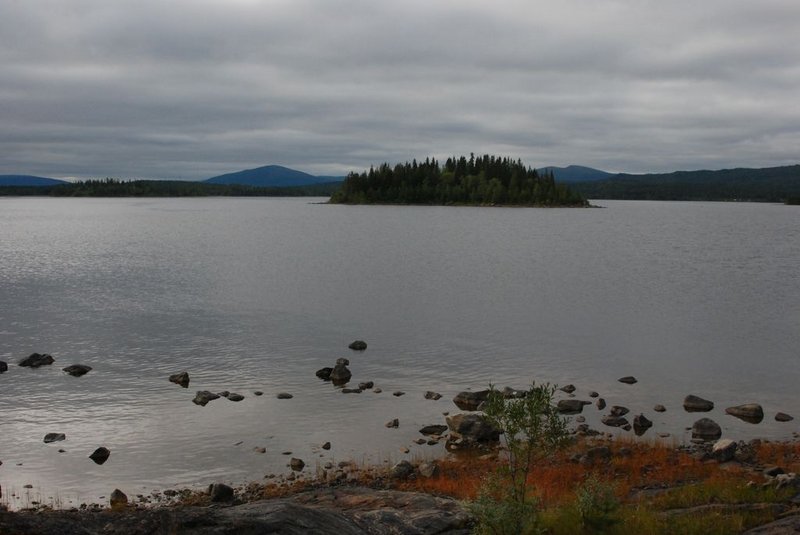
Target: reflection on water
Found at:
x=257, y=294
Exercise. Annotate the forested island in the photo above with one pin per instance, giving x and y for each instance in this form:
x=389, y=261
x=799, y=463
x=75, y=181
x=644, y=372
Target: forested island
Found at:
x=112, y=187
x=482, y=180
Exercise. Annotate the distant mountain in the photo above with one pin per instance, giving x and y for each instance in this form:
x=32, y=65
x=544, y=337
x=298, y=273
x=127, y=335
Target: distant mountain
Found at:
x=773, y=184
x=27, y=180
x=271, y=176
x=577, y=173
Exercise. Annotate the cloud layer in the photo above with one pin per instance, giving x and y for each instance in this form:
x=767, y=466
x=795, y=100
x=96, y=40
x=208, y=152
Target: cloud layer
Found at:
x=192, y=88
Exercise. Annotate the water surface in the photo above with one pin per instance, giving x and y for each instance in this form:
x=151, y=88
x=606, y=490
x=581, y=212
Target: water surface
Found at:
x=257, y=294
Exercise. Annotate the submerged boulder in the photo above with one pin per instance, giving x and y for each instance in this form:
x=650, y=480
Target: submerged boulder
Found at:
x=434, y=429
x=76, y=370
x=34, y=360
x=358, y=345
x=694, y=403
x=628, y=380
x=233, y=396
x=706, y=429
x=54, y=437
x=749, y=412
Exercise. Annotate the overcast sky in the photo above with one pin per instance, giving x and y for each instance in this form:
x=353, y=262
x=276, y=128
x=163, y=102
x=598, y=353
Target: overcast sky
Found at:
x=193, y=88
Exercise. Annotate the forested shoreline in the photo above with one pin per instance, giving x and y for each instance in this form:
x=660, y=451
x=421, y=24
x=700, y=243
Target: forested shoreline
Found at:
x=112, y=187
x=482, y=180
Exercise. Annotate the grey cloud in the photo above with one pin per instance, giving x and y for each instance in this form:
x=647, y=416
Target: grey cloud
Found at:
x=189, y=89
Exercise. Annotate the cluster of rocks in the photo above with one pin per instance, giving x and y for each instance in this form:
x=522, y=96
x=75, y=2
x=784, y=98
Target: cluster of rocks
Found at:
x=704, y=429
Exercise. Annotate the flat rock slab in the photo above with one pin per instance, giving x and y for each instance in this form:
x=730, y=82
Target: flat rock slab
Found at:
x=784, y=526
x=343, y=511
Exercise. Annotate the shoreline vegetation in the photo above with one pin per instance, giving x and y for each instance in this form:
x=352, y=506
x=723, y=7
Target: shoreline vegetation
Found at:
x=592, y=485
x=474, y=181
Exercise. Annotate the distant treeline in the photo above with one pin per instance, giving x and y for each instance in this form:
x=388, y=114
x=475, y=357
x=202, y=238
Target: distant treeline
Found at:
x=111, y=187
x=482, y=180
x=771, y=184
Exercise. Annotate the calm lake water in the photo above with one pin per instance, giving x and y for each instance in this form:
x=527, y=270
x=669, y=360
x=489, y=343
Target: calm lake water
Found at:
x=257, y=294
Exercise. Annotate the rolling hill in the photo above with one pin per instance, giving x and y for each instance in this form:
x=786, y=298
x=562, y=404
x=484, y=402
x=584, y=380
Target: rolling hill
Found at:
x=271, y=176
x=576, y=173
x=28, y=180
x=773, y=184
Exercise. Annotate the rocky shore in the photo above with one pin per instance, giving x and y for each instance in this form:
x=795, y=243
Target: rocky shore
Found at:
x=341, y=503
x=340, y=511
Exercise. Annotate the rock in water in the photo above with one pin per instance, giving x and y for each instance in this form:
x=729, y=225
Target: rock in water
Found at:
x=76, y=370
x=694, y=403
x=783, y=417
x=54, y=437
x=34, y=360
x=601, y=404
x=472, y=429
x=340, y=374
x=181, y=378
x=366, y=385
x=641, y=424
x=297, y=464
x=233, y=396
x=3, y=367
x=118, y=499
x=660, y=408
x=569, y=389
x=706, y=429
x=628, y=380
x=220, y=492
x=619, y=410
x=749, y=412
x=284, y=395
x=393, y=424
x=100, y=455
x=358, y=345
x=571, y=406
x=324, y=373
x=614, y=421
x=432, y=395
x=470, y=401
x=203, y=397
x=433, y=429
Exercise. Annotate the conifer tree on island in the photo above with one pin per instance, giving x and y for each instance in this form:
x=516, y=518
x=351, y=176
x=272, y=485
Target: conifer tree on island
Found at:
x=483, y=181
